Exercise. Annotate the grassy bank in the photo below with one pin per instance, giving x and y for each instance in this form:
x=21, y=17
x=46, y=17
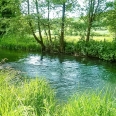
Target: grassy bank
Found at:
x=90, y=104
x=99, y=48
x=24, y=98
x=36, y=98
x=102, y=49
x=26, y=43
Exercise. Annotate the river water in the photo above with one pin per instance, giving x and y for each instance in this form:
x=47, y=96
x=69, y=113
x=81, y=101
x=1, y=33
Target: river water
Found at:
x=66, y=74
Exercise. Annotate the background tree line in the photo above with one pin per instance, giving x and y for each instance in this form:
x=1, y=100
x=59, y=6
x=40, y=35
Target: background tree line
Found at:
x=50, y=20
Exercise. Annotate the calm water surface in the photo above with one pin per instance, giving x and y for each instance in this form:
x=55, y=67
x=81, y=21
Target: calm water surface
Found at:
x=66, y=74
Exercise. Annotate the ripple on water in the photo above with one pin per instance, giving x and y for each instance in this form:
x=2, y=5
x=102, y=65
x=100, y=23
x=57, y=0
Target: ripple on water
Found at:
x=66, y=74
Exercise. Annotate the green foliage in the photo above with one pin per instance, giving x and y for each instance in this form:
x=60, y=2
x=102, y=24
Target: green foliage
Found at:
x=34, y=97
x=100, y=49
x=8, y=10
x=69, y=47
x=109, y=17
x=26, y=98
x=90, y=104
x=14, y=42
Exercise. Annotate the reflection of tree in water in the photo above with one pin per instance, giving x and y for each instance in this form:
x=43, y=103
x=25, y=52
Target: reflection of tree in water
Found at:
x=12, y=55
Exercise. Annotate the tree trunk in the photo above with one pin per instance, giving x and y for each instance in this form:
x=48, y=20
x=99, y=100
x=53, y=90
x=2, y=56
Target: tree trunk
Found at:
x=43, y=48
x=88, y=32
x=49, y=32
x=62, y=47
x=31, y=27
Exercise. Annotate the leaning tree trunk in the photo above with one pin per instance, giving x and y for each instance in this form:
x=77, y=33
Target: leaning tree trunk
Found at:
x=40, y=41
x=43, y=48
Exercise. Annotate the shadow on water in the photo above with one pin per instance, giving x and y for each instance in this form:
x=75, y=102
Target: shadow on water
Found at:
x=66, y=74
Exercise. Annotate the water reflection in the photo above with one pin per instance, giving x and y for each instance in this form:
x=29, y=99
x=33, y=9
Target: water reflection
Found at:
x=65, y=73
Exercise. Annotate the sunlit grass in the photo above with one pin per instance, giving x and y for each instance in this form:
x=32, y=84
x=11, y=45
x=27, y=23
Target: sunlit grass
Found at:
x=35, y=98
x=103, y=38
x=96, y=38
x=26, y=98
x=26, y=43
x=90, y=104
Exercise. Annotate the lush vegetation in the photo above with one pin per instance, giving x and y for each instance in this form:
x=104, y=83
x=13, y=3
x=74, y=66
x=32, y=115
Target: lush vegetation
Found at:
x=23, y=97
x=36, y=30
x=49, y=26
x=50, y=21
x=19, y=43
x=102, y=49
x=90, y=104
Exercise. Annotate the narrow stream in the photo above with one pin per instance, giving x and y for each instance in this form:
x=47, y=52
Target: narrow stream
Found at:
x=66, y=74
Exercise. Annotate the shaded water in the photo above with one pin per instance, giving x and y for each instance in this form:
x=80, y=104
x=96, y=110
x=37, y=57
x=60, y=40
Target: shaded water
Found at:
x=66, y=74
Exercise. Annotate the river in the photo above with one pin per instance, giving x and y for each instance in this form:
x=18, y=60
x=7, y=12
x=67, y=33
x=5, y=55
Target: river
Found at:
x=66, y=74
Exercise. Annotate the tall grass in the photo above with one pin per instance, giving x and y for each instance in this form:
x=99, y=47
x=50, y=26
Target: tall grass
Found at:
x=28, y=98
x=35, y=98
x=90, y=104
x=25, y=43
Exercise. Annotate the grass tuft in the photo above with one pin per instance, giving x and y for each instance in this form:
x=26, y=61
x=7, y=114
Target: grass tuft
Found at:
x=27, y=98
x=90, y=104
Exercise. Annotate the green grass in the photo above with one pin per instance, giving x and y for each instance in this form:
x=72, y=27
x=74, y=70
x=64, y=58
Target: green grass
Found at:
x=90, y=104
x=24, y=98
x=35, y=98
x=26, y=43
x=96, y=38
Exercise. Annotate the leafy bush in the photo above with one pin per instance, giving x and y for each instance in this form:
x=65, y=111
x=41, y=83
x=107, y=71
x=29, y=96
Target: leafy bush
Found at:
x=100, y=49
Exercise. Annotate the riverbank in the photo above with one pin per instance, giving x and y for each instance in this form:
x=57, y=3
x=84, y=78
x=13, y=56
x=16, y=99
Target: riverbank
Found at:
x=20, y=96
x=105, y=50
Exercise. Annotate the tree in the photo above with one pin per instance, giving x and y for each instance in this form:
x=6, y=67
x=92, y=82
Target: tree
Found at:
x=62, y=47
x=110, y=18
x=40, y=39
x=49, y=28
x=92, y=10
x=64, y=5
x=8, y=10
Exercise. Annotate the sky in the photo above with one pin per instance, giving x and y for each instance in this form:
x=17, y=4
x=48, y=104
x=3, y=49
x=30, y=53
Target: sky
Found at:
x=58, y=11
